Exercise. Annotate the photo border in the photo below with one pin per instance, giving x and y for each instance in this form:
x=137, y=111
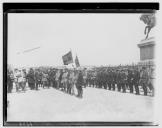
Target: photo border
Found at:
x=67, y=8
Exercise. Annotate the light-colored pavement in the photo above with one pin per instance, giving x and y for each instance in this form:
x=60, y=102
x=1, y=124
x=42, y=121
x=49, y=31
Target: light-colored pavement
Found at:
x=96, y=105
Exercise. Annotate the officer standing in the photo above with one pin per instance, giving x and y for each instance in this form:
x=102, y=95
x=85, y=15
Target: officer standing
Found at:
x=151, y=80
x=80, y=82
x=136, y=78
x=144, y=79
x=88, y=78
x=36, y=79
x=45, y=80
x=122, y=81
x=64, y=80
x=53, y=75
x=85, y=75
x=31, y=78
x=110, y=79
x=10, y=80
x=114, y=78
x=57, y=78
x=119, y=80
x=130, y=78
x=99, y=79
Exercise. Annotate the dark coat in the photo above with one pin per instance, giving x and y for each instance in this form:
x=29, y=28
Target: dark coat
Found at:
x=80, y=80
x=136, y=77
x=31, y=77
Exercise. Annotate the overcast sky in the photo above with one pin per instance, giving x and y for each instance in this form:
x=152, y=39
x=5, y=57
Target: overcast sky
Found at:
x=97, y=39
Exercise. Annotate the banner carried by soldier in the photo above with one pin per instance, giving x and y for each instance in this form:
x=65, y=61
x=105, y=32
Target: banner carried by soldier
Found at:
x=77, y=62
x=67, y=58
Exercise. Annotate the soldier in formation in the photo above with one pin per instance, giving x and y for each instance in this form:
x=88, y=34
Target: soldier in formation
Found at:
x=31, y=79
x=144, y=79
x=66, y=80
x=122, y=79
x=79, y=84
x=10, y=80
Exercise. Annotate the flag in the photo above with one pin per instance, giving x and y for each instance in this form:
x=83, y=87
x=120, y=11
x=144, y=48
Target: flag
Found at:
x=67, y=58
x=77, y=62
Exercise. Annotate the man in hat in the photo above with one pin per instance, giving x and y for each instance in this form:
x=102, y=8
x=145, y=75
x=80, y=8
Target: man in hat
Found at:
x=45, y=79
x=37, y=78
x=57, y=78
x=122, y=81
x=10, y=79
x=99, y=79
x=79, y=84
x=109, y=79
x=89, y=78
x=113, y=78
x=103, y=79
x=64, y=80
x=118, y=80
x=151, y=80
x=94, y=81
x=85, y=77
x=31, y=78
x=135, y=82
x=17, y=75
x=144, y=79
x=52, y=78
x=72, y=80
x=130, y=78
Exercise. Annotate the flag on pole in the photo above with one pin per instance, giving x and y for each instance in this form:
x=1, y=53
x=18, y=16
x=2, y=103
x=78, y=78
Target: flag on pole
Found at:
x=67, y=58
x=77, y=62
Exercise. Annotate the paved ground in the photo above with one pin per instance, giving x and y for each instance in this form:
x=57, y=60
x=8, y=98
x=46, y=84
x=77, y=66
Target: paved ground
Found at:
x=96, y=105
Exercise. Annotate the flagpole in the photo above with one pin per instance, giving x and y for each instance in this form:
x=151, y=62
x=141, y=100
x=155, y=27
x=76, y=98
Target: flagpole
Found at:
x=72, y=57
x=75, y=62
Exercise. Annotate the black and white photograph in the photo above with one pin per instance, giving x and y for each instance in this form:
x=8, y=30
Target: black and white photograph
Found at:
x=81, y=67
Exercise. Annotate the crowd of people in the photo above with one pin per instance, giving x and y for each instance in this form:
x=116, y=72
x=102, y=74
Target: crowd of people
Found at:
x=112, y=78
x=61, y=79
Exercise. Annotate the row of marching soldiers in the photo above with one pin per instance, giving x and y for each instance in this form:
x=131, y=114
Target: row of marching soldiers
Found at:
x=122, y=79
x=62, y=79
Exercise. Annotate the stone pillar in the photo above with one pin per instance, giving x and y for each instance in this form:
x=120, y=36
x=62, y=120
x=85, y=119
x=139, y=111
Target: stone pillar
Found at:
x=147, y=48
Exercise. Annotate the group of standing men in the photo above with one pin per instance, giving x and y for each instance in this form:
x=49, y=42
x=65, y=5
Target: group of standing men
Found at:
x=62, y=79
x=122, y=79
x=68, y=79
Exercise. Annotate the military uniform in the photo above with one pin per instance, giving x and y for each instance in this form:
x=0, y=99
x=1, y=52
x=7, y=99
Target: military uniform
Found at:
x=136, y=78
x=94, y=79
x=31, y=79
x=89, y=79
x=99, y=79
x=10, y=80
x=119, y=81
x=144, y=80
x=114, y=79
x=109, y=79
x=57, y=78
x=122, y=81
x=64, y=81
x=85, y=75
x=151, y=80
x=45, y=80
x=52, y=77
x=37, y=80
x=130, y=78
x=59, y=81
x=71, y=82
x=80, y=82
